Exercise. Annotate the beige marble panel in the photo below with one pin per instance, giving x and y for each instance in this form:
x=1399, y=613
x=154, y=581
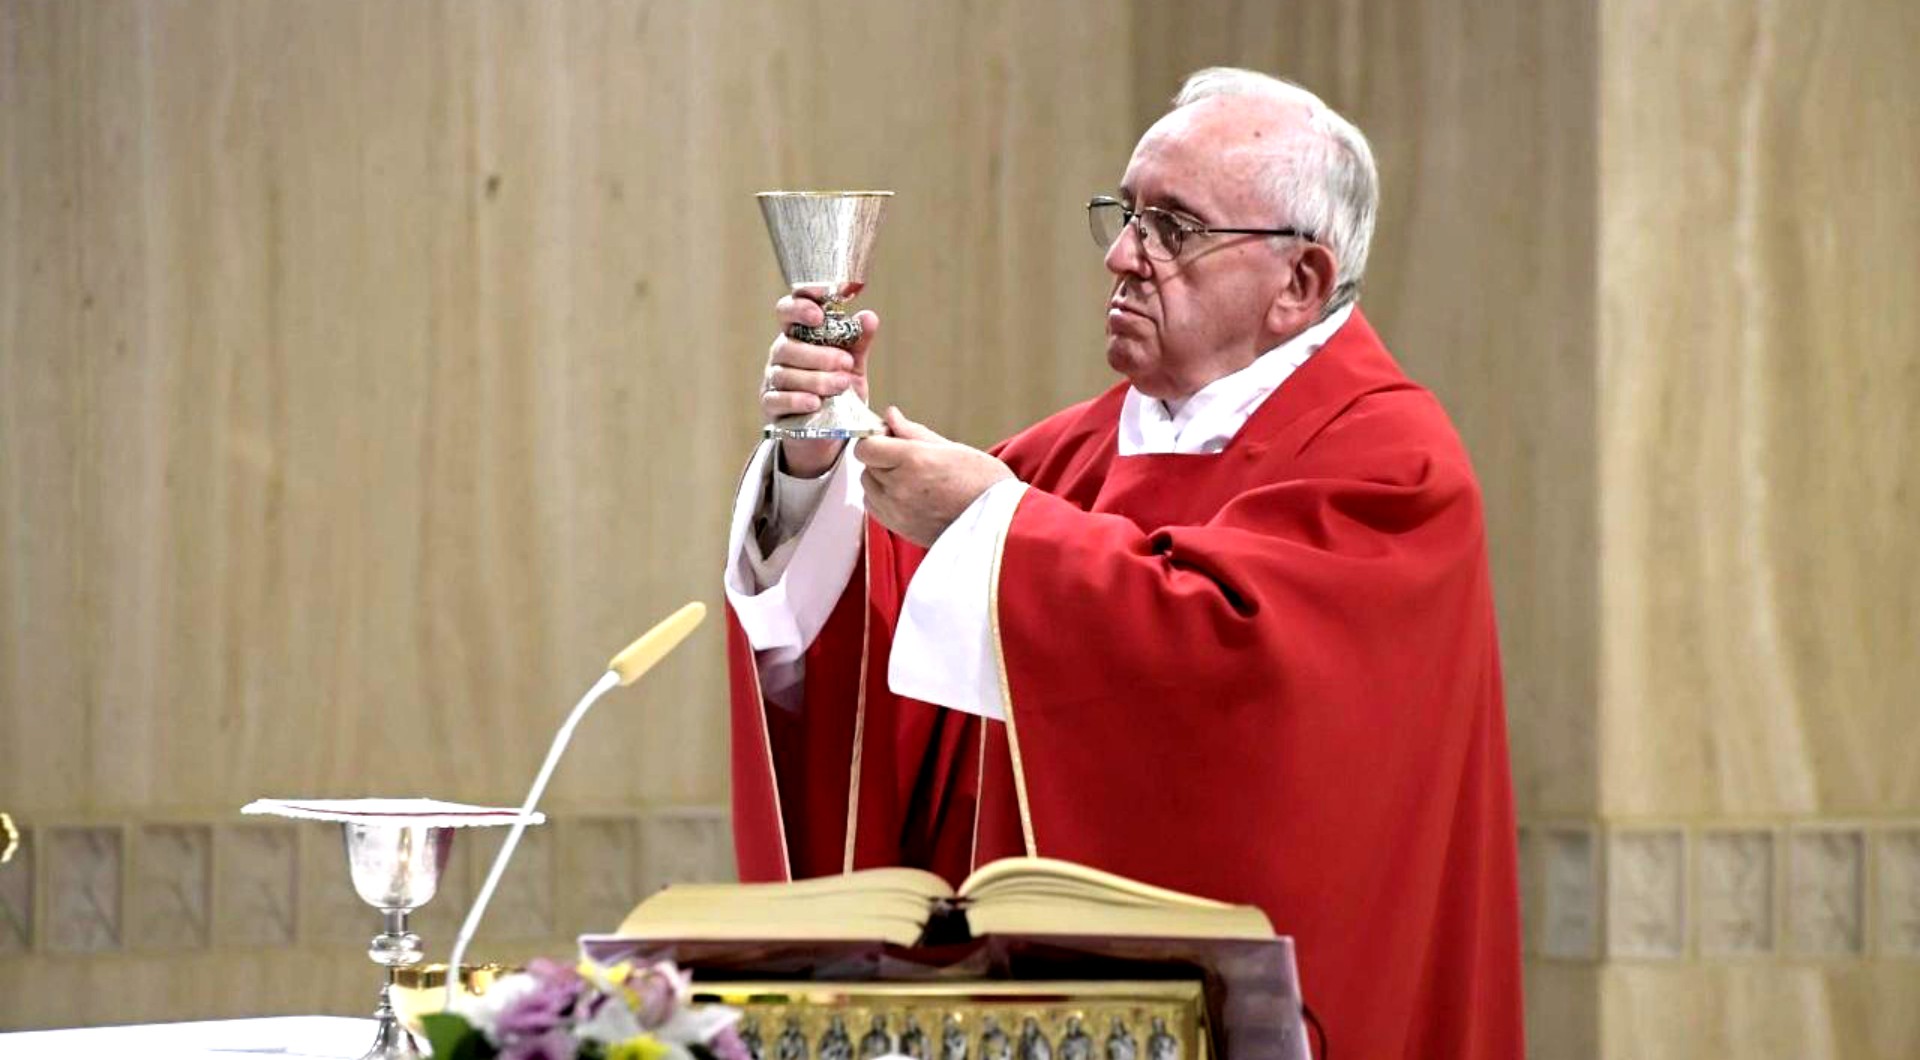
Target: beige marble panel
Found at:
x=17, y=934
x=1481, y=280
x=599, y=867
x=685, y=845
x=170, y=902
x=1647, y=907
x=1897, y=897
x=1736, y=888
x=83, y=906
x=256, y=885
x=1761, y=407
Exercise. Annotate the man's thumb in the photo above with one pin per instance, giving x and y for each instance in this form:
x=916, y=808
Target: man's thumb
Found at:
x=900, y=426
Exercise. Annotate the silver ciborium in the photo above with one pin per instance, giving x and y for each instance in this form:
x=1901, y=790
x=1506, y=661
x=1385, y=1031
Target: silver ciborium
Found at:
x=396, y=869
x=823, y=240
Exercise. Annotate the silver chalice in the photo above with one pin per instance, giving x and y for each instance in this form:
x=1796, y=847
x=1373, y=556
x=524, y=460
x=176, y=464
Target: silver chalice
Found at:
x=823, y=240
x=396, y=869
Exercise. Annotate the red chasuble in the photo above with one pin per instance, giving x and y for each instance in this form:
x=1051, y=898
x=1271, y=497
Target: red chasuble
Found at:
x=1268, y=675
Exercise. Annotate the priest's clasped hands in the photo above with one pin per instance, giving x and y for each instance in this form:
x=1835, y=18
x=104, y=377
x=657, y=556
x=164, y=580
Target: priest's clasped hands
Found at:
x=917, y=483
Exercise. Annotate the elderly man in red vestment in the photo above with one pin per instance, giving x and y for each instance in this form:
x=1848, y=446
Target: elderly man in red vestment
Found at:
x=1225, y=628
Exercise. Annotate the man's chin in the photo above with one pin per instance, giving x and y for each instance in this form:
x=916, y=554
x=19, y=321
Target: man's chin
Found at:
x=1138, y=366
x=1125, y=356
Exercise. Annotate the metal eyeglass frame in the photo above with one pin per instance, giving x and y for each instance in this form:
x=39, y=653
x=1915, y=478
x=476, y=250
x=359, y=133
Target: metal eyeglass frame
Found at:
x=1181, y=229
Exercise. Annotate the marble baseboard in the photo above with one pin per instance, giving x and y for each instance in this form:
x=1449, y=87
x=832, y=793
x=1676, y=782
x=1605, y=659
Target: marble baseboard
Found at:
x=1713, y=891
x=181, y=884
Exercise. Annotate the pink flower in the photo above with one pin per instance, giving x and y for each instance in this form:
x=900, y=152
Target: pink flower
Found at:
x=552, y=1045
x=659, y=988
x=550, y=971
x=727, y=1045
x=539, y=1011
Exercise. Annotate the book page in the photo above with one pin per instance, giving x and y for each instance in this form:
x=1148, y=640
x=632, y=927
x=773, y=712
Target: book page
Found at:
x=889, y=904
x=1078, y=879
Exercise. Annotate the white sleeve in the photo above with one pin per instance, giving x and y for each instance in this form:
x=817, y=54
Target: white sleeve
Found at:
x=786, y=507
x=781, y=617
x=943, y=650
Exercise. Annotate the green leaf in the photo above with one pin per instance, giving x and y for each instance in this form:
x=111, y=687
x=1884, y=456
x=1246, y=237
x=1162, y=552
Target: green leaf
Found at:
x=453, y=1038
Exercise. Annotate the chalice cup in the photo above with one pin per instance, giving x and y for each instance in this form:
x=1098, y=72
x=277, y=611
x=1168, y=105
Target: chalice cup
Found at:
x=823, y=240
x=396, y=869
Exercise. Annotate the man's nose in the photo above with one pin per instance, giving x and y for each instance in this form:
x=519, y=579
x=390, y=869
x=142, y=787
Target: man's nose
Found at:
x=1128, y=254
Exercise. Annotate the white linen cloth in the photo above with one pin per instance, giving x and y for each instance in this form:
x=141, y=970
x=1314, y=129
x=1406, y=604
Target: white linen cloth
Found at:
x=429, y=813
x=288, y=1037
x=943, y=646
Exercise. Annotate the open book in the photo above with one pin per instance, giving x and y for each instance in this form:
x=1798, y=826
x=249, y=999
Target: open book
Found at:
x=1012, y=896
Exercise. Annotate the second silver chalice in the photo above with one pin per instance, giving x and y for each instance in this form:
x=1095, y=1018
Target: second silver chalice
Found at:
x=397, y=852
x=396, y=869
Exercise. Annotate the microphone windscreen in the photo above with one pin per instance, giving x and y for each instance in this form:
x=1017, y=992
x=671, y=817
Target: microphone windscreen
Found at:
x=637, y=658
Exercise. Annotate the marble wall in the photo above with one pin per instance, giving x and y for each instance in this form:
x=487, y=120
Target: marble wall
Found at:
x=1759, y=376
x=371, y=372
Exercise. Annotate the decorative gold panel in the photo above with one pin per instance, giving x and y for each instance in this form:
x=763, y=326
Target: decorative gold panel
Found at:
x=969, y=1020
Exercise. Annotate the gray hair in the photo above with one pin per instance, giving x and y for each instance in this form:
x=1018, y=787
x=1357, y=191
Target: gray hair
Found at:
x=1324, y=183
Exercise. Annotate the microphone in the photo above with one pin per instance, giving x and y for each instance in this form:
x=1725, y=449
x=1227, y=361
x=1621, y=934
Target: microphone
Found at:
x=625, y=668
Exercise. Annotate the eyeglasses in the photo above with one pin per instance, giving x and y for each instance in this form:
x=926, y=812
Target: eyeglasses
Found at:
x=1162, y=233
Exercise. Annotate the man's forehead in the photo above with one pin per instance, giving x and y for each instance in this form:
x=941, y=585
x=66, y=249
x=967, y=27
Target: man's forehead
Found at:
x=1212, y=153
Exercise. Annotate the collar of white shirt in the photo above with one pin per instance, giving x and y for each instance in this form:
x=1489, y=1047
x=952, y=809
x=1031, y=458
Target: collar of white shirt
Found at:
x=1208, y=420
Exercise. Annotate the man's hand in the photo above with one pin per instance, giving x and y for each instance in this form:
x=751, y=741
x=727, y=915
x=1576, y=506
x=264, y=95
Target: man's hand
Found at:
x=800, y=376
x=918, y=483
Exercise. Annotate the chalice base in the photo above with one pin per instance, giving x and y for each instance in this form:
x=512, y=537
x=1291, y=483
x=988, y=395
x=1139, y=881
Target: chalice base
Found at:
x=392, y=1042
x=843, y=415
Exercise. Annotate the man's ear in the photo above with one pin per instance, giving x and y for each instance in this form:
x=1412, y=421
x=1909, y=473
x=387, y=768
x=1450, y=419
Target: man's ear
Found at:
x=1310, y=283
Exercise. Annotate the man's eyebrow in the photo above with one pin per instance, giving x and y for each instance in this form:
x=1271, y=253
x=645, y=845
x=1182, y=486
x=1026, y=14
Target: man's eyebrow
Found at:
x=1170, y=203
x=1175, y=204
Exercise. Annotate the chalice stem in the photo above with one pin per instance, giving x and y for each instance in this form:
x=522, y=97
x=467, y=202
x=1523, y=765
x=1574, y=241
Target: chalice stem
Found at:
x=838, y=329
x=842, y=415
x=395, y=948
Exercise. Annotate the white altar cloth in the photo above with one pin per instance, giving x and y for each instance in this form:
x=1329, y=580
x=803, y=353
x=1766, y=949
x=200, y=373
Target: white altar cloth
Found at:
x=290, y=1037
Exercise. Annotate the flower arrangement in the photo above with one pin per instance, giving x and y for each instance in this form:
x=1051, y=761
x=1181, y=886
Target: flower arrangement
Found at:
x=586, y=1012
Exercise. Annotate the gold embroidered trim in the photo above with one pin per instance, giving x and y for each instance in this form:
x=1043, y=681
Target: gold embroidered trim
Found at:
x=1006, y=690
x=860, y=696
x=766, y=733
x=979, y=796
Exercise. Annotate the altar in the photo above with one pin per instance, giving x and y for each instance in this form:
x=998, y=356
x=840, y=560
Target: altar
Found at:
x=291, y=1037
